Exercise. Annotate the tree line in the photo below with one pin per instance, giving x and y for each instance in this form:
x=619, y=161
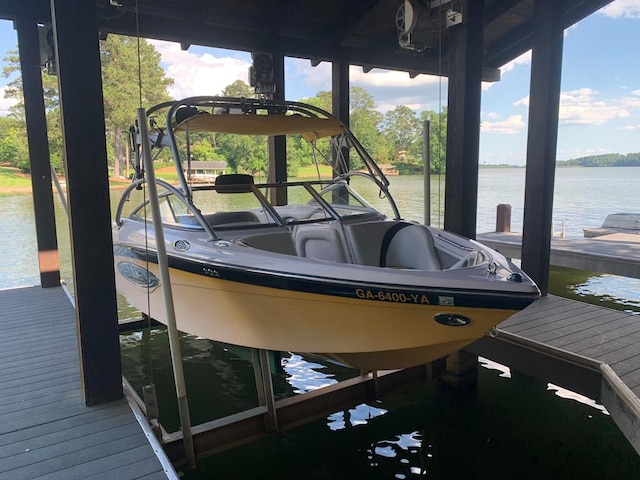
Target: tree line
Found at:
x=607, y=160
x=394, y=137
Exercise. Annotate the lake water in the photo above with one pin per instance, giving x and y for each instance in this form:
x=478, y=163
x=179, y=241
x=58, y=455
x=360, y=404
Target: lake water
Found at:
x=513, y=427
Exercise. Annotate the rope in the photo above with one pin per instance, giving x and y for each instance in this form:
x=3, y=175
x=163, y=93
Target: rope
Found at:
x=144, y=193
x=439, y=142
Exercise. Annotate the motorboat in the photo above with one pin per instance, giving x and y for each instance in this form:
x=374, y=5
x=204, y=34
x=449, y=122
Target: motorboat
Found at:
x=308, y=266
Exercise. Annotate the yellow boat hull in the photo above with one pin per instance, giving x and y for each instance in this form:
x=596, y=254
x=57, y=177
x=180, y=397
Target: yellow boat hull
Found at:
x=366, y=333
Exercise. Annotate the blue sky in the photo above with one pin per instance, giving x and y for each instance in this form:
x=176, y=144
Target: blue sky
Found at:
x=600, y=102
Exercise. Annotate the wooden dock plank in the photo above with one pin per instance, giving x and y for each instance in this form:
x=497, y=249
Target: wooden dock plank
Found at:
x=100, y=466
x=578, y=327
x=30, y=402
x=629, y=360
x=56, y=437
x=597, y=335
x=71, y=384
x=632, y=380
x=556, y=323
x=143, y=469
x=12, y=368
x=31, y=456
x=31, y=387
x=46, y=431
x=86, y=419
x=542, y=314
x=83, y=462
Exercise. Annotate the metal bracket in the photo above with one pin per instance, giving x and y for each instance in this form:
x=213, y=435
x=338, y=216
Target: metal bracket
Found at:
x=453, y=18
x=150, y=401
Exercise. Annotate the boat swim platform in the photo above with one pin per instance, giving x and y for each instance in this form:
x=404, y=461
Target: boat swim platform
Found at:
x=616, y=254
x=588, y=349
x=46, y=431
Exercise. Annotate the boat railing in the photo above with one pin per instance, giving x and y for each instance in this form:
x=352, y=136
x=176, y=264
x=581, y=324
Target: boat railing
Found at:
x=137, y=184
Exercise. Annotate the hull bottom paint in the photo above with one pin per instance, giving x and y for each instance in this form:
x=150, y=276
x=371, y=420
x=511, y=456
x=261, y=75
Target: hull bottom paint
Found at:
x=357, y=332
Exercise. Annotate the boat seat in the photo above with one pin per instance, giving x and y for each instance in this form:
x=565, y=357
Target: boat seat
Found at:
x=409, y=246
x=394, y=244
x=319, y=241
x=223, y=218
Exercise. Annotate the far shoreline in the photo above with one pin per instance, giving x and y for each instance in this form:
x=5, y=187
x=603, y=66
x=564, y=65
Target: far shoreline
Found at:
x=116, y=183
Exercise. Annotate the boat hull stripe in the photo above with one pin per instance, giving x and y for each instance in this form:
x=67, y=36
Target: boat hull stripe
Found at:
x=340, y=287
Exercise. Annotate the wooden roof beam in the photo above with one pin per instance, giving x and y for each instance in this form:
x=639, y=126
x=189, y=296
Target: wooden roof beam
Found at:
x=319, y=50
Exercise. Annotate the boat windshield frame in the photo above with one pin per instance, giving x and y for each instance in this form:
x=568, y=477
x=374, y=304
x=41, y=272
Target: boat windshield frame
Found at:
x=326, y=125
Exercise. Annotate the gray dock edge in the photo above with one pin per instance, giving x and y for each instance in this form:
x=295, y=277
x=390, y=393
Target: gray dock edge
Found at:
x=580, y=374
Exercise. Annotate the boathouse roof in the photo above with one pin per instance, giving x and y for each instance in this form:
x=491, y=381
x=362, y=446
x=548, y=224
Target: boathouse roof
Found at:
x=358, y=32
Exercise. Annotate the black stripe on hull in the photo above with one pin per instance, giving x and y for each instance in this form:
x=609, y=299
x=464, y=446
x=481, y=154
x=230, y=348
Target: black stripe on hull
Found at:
x=341, y=287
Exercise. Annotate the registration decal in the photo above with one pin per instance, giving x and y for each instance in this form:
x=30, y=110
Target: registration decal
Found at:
x=397, y=297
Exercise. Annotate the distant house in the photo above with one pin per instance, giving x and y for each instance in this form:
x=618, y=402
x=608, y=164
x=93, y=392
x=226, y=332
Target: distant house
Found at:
x=204, y=171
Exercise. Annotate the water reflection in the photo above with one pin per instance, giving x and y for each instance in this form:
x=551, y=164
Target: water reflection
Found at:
x=612, y=289
x=358, y=415
x=306, y=376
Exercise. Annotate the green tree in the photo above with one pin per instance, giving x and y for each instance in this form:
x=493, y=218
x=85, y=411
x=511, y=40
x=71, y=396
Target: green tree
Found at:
x=238, y=89
x=437, y=138
x=14, y=91
x=244, y=153
x=402, y=129
x=131, y=77
x=363, y=122
x=13, y=147
x=123, y=91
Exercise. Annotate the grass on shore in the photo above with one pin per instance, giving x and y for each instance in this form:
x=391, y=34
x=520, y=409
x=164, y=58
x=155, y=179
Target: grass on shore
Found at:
x=12, y=177
x=12, y=180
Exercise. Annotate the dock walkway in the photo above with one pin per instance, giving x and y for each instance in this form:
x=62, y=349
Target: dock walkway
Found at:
x=617, y=254
x=585, y=348
x=46, y=431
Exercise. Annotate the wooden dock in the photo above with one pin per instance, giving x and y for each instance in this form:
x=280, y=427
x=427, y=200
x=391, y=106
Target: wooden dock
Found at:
x=617, y=254
x=588, y=349
x=46, y=431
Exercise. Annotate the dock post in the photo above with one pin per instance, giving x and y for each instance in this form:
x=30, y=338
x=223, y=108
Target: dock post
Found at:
x=462, y=370
x=503, y=218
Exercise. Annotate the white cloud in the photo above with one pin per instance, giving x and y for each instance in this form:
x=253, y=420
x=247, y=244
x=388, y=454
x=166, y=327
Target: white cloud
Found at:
x=389, y=78
x=195, y=74
x=631, y=127
x=622, y=8
x=511, y=126
x=523, y=102
x=5, y=103
x=524, y=59
x=583, y=107
x=390, y=88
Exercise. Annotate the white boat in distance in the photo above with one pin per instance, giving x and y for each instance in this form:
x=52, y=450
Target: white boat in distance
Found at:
x=304, y=266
